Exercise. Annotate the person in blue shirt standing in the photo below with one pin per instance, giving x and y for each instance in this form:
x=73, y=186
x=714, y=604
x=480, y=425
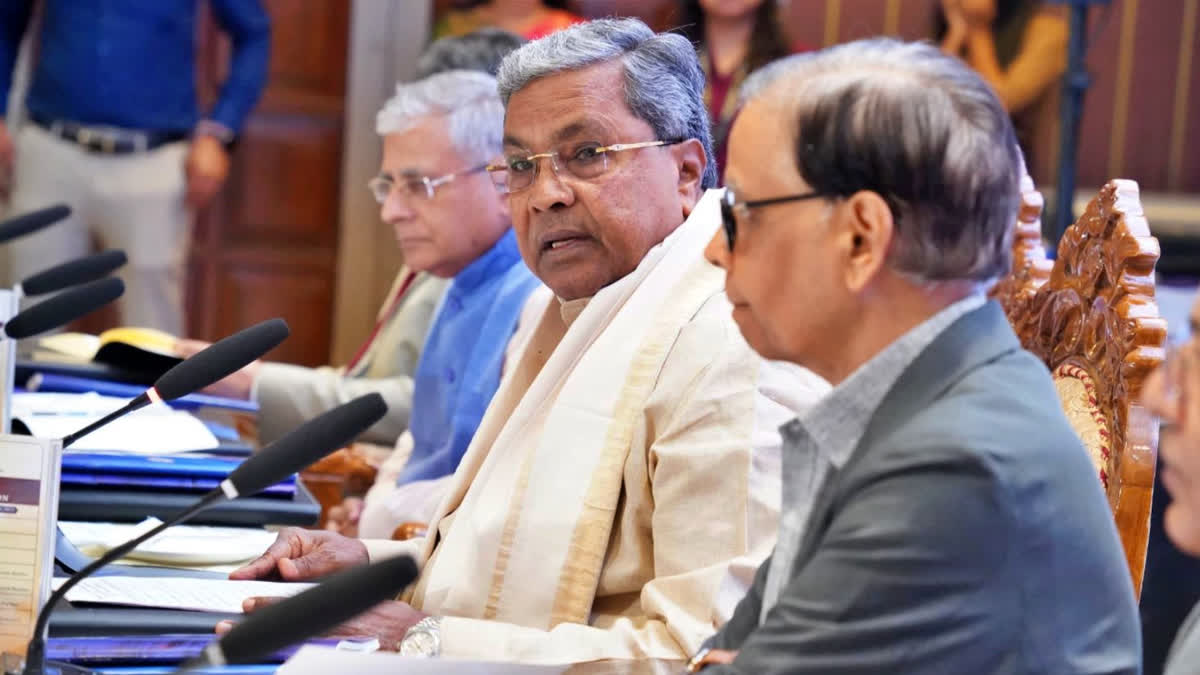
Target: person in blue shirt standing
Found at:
x=115, y=131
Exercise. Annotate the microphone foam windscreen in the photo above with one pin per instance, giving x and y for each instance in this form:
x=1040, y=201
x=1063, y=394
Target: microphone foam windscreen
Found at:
x=221, y=359
x=64, y=308
x=78, y=271
x=307, y=443
x=340, y=598
x=28, y=223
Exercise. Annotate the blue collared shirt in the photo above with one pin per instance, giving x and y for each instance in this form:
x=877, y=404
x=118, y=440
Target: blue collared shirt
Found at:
x=460, y=364
x=131, y=63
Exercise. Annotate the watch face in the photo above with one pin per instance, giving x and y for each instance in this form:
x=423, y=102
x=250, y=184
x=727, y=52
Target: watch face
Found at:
x=420, y=643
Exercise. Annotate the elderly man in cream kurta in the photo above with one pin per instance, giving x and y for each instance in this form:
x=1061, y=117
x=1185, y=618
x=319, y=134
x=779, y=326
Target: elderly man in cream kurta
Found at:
x=624, y=481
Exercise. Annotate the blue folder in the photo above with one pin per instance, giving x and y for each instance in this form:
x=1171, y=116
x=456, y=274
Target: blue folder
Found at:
x=171, y=670
x=283, y=490
x=144, y=649
x=190, y=465
x=69, y=384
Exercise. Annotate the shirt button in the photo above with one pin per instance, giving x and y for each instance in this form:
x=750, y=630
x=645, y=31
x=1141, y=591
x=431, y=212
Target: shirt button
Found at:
x=450, y=375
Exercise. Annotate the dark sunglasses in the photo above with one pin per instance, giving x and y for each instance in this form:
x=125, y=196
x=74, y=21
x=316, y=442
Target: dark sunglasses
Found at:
x=731, y=209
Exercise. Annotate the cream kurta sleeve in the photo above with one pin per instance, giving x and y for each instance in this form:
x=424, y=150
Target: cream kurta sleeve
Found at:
x=700, y=511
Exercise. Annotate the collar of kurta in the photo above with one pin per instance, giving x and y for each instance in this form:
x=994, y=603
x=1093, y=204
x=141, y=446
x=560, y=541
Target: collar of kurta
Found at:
x=837, y=422
x=495, y=260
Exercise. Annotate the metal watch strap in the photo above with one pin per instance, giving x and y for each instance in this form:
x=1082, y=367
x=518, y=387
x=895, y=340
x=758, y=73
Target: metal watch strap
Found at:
x=430, y=626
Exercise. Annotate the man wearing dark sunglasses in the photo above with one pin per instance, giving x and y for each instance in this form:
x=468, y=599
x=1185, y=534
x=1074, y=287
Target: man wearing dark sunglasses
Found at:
x=939, y=513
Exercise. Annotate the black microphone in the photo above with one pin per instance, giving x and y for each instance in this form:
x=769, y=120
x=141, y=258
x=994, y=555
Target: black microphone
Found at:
x=63, y=308
x=28, y=223
x=78, y=271
x=213, y=363
x=336, y=600
x=293, y=452
x=305, y=445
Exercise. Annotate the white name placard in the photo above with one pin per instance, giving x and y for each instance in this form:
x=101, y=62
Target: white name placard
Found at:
x=29, y=474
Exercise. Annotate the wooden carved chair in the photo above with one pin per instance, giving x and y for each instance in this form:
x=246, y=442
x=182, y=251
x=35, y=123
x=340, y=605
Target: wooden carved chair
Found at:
x=1091, y=316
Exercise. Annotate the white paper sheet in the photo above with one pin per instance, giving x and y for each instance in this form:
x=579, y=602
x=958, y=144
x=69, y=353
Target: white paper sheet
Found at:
x=205, y=595
x=155, y=429
x=181, y=545
x=314, y=660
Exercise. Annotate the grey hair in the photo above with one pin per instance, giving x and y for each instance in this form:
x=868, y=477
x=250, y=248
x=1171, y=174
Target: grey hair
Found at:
x=663, y=82
x=480, y=50
x=917, y=127
x=468, y=101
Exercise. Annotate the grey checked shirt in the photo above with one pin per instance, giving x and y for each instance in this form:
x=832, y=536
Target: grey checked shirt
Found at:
x=818, y=445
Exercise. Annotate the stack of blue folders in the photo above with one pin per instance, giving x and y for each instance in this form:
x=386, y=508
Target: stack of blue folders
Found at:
x=172, y=473
x=69, y=384
x=130, y=487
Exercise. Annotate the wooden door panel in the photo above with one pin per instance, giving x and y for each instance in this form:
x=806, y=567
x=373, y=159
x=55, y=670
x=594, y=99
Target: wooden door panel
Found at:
x=284, y=187
x=268, y=245
x=300, y=295
x=309, y=42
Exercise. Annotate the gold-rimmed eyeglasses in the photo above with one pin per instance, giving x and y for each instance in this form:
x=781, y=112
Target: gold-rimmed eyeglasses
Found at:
x=415, y=185
x=585, y=161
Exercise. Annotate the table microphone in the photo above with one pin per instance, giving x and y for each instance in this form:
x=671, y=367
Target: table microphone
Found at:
x=28, y=223
x=336, y=600
x=304, y=445
x=78, y=271
x=63, y=308
x=213, y=363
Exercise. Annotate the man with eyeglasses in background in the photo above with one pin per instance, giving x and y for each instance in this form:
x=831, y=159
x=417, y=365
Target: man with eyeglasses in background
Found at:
x=624, y=481
x=386, y=363
x=451, y=222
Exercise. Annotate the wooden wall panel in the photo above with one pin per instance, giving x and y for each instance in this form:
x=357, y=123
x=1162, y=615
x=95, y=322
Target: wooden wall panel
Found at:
x=1137, y=108
x=1098, y=112
x=1187, y=142
x=916, y=18
x=805, y=21
x=308, y=52
x=251, y=292
x=861, y=19
x=267, y=247
x=658, y=13
x=285, y=185
x=1149, y=108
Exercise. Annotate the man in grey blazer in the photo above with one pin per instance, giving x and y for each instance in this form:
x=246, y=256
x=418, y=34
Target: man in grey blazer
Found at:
x=939, y=514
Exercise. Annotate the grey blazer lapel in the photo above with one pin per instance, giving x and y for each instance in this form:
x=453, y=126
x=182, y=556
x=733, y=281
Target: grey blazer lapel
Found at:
x=980, y=336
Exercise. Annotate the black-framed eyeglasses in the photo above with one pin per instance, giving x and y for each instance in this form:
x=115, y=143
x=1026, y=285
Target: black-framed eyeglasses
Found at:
x=732, y=209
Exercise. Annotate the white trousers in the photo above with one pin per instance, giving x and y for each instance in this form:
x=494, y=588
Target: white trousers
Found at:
x=133, y=202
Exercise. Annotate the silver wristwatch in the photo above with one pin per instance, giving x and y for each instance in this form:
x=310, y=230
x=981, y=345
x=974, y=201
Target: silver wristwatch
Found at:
x=424, y=638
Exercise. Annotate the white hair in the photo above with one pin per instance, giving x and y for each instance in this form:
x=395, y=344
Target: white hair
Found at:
x=467, y=99
x=917, y=127
x=664, y=84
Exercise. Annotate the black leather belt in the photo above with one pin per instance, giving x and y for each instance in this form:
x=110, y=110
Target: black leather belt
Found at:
x=106, y=140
